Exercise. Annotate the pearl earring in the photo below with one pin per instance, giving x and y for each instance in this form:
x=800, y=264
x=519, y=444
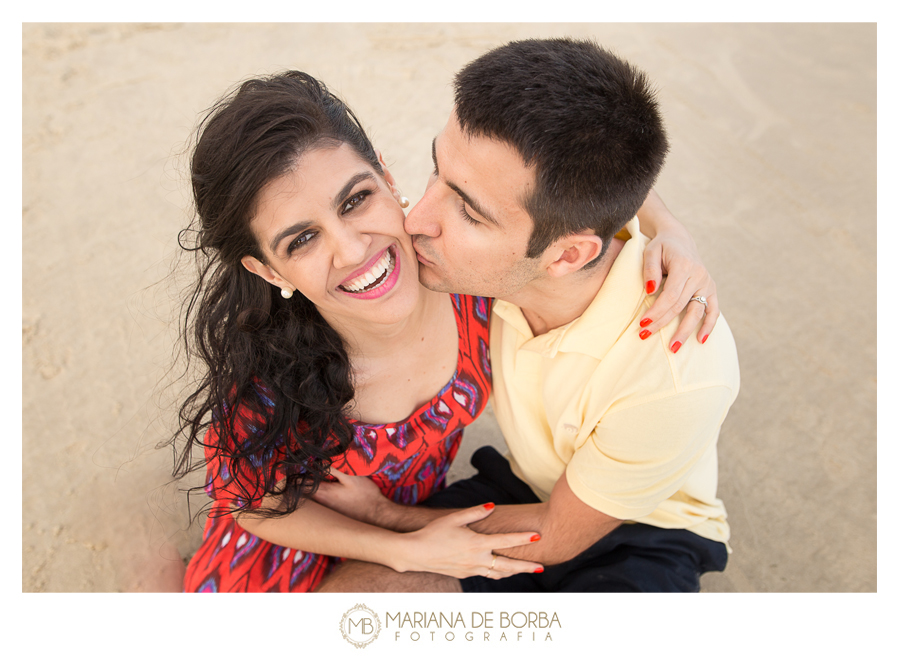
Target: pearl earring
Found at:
x=402, y=200
x=287, y=293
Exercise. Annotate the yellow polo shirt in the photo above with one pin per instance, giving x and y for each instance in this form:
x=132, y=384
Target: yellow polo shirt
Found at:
x=633, y=426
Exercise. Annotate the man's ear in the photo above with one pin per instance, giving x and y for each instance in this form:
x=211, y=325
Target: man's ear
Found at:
x=265, y=272
x=573, y=252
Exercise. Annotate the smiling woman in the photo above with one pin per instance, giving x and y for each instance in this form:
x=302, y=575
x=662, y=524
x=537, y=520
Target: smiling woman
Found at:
x=364, y=372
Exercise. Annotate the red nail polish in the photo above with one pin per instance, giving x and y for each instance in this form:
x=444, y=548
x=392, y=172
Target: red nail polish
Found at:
x=535, y=537
x=651, y=287
x=539, y=570
x=644, y=334
x=676, y=346
x=489, y=506
x=645, y=322
x=704, y=339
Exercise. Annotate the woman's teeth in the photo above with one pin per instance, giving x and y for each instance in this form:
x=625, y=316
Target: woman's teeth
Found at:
x=374, y=277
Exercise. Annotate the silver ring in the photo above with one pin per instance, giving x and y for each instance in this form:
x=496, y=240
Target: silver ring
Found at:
x=701, y=299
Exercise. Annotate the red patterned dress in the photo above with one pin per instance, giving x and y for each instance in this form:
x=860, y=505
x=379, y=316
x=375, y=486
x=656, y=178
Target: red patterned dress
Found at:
x=407, y=460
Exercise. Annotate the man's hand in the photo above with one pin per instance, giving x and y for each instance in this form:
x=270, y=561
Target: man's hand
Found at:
x=354, y=496
x=672, y=251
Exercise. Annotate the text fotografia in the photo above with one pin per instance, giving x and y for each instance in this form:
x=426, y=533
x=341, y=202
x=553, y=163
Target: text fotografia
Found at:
x=478, y=626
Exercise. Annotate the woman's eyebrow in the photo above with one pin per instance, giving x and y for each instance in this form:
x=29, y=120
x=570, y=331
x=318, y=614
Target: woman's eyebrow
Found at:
x=353, y=182
x=290, y=230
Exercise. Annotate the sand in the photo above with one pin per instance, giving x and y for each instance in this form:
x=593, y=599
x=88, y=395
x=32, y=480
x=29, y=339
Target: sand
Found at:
x=773, y=131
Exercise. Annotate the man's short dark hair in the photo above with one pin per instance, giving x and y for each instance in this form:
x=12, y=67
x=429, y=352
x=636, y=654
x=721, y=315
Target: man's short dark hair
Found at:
x=587, y=121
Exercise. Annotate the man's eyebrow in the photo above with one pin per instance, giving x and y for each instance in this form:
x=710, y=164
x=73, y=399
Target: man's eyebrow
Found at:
x=465, y=197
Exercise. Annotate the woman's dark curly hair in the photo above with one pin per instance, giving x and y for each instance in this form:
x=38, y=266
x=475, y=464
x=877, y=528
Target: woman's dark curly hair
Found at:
x=262, y=354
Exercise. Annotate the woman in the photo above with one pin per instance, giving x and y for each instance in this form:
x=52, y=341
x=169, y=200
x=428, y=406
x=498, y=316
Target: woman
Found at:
x=322, y=353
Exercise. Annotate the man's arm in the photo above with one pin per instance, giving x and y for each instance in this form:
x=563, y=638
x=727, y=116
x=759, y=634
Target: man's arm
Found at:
x=567, y=526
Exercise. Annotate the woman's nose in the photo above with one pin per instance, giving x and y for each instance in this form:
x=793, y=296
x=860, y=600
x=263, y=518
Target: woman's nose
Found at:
x=350, y=247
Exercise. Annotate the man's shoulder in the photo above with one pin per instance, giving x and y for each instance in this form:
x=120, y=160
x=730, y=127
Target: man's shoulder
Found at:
x=649, y=367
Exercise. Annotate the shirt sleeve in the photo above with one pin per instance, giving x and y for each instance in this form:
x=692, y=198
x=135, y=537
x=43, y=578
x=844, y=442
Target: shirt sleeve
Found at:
x=640, y=455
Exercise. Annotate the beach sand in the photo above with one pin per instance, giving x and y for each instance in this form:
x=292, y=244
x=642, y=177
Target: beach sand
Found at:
x=772, y=168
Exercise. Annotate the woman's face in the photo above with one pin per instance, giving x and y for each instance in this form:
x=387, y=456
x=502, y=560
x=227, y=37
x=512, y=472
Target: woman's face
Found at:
x=332, y=229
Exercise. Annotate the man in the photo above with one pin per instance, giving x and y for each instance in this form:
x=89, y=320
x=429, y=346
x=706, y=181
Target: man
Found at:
x=551, y=148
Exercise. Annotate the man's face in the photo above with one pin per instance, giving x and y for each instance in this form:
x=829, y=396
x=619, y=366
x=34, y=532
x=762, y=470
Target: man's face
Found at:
x=470, y=231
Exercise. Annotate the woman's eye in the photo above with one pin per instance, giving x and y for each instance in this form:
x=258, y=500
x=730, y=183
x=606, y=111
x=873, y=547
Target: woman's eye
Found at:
x=355, y=201
x=300, y=240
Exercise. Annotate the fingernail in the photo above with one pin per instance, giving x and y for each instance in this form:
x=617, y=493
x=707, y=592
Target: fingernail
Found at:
x=651, y=286
x=645, y=322
x=676, y=346
x=489, y=506
x=644, y=334
x=539, y=570
x=703, y=340
x=535, y=537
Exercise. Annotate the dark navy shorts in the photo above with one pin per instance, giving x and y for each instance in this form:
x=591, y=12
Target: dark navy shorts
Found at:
x=632, y=558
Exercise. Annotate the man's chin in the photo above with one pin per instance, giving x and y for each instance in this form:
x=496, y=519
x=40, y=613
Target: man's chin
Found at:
x=430, y=281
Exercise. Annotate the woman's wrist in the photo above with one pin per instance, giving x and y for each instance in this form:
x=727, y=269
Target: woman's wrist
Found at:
x=655, y=217
x=402, y=552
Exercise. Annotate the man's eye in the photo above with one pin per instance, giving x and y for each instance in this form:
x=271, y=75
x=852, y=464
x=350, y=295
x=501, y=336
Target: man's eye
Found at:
x=355, y=201
x=466, y=216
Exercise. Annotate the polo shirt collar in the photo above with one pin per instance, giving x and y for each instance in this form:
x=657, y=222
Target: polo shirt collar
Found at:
x=603, y=322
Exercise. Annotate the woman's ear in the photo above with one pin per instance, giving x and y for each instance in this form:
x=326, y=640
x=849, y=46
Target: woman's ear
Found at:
x=265, y=272
x=388, y=176
x=573, y=252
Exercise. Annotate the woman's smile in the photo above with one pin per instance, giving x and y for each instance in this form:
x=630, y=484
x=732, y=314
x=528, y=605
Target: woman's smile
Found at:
x=379, y=279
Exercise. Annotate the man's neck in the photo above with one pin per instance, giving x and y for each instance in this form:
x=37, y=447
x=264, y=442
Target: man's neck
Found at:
x=549, y=303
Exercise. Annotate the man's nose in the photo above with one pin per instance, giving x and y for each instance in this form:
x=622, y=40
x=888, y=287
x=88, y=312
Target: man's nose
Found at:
x=423, y=218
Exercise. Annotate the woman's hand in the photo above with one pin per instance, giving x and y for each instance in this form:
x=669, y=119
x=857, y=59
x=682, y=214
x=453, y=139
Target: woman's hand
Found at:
x=687, y=278
x=444, y=545
x=447, y=546
x=672, y=251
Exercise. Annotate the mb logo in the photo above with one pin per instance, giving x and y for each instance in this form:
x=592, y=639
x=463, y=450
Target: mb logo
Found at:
x=360, y=626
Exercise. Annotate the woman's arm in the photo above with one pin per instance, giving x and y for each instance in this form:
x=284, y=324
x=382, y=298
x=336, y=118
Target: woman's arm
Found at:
x=672, y=251
x=445, y=546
